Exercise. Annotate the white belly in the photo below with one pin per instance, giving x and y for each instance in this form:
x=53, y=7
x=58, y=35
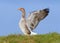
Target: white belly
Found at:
x=22, y=26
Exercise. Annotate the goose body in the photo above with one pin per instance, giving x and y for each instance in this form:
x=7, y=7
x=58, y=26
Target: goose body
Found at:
x=27, y=25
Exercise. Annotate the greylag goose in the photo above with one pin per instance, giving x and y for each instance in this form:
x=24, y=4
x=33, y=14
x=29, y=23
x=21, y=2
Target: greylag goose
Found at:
x=29, y=24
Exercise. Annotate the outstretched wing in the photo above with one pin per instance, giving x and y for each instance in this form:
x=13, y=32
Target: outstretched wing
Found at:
x=35, y=17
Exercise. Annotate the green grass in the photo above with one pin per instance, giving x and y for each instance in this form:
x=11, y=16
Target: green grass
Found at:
x=42, y=38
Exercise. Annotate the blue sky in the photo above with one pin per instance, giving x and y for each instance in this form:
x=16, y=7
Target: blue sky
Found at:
x=10, y=16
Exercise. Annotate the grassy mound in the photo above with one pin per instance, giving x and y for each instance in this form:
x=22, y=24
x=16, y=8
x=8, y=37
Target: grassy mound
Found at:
x=43, y=38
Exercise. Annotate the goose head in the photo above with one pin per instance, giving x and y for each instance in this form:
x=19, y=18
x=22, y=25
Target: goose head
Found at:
x=23, y=11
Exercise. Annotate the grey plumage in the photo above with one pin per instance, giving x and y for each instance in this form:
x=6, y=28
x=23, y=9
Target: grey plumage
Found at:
x=27, y=25
x=36, y=16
